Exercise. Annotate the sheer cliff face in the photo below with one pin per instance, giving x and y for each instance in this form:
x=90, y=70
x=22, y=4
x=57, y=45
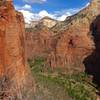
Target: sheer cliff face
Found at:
x=74, y=44
x=13, y=69
x=48, y=22
x=38, y=42
x=76, y=41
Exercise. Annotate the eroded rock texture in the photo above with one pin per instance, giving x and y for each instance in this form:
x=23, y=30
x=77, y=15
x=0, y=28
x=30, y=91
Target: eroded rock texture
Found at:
x=76, y=41
x=71, y=41
x=92, y=62
x=38, y=42
x=14, y=73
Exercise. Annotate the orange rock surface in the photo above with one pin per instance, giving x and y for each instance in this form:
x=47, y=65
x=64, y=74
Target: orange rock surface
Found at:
x=38, y=42
x=14, y=72
x=76, y=40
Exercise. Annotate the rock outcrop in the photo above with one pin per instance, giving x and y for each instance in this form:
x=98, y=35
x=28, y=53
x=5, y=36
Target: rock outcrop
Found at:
x=15, y=77
x=76, y=41
x=46, y=22
x=71, y=41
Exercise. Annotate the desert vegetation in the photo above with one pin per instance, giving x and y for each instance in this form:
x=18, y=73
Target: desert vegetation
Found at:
x=78, y=86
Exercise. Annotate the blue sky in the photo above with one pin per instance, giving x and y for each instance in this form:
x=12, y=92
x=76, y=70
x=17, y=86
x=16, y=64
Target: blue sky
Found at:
x=57, y=9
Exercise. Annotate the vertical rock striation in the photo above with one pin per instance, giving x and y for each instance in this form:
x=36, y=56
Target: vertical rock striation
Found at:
x=76, y=41
x=15, y=78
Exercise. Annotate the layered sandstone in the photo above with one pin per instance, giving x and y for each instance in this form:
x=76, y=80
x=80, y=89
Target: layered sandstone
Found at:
x=46, y=22
x=14, y=73
x=38, y=42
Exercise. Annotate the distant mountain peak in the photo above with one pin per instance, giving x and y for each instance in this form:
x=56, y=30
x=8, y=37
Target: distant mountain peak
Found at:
x=48, y=18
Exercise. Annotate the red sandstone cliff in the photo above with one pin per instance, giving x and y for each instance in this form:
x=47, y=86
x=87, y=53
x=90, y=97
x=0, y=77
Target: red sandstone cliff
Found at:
x=14, y=73
x=38, y=42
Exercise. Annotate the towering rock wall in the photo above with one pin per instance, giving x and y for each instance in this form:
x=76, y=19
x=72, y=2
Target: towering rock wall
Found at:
x=76, y=41
x=38, y=42
x=92, y=62
x=14, y=73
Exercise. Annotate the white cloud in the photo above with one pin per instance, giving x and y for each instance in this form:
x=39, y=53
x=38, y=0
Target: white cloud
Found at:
x=58, y=15
x=55, y=15
x=61, y=15
x=62, y=18
x=44, y=13
x=29, y=16
x=25, y=7
x=35, y=1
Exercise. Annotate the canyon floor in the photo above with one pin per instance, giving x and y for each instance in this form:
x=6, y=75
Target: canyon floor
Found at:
x=56, y=85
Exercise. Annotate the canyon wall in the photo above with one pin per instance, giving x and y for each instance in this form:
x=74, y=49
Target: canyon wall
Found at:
x=15, y=77
x=71, y=41
x=38, y=42
x=92, y=62
x=76, y=41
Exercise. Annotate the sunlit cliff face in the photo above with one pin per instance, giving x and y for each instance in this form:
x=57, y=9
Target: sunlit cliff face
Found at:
x=14, y=72
x=76, y=41
x=73, y=46
x=49, y=23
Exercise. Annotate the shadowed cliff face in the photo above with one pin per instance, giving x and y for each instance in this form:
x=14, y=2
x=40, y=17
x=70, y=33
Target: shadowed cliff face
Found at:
x=14, y=73
x=92, y=62
x=71, y=41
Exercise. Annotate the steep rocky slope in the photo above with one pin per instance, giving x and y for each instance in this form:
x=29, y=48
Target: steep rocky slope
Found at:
x=71, y=41
x=15, y=78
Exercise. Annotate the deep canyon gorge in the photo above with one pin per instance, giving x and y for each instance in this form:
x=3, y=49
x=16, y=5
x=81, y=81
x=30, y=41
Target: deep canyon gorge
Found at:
x=72, y=45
